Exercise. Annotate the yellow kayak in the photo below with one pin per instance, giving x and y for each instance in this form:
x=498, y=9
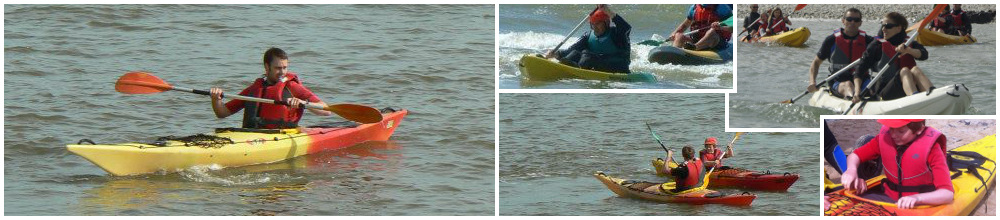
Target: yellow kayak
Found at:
x=232, y=147
x=792, y=38
x=928, y=37
x=538, y=68
x=970, y=189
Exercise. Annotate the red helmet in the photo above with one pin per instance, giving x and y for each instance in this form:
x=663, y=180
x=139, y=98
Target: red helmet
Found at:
x=598, y=16
x=896, y=123
x=711, y=140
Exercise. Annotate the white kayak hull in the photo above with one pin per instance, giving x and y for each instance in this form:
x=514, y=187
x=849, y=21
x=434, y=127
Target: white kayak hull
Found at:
x=948, y=100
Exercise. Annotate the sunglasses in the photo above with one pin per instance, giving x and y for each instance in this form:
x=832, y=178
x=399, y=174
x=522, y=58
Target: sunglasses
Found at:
x=889, y=25
x=852, y=19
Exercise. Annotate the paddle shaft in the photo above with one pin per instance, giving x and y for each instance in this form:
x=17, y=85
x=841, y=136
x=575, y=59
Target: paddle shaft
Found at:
x=657, y=137
x=247, y=98
x=573, y=31
x=831, y=77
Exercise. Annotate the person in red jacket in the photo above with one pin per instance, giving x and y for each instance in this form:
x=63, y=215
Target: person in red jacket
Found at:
x=711, y=154
x=914, y=164
x=688, y=174
x=277, y=83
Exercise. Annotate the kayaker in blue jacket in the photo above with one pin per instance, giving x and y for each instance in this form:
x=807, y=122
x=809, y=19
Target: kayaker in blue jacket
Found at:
x=704, y=20
x=606, y=48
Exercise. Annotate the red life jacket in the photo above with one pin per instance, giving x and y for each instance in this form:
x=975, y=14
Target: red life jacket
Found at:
x=706, y=156
x=695, y=177
x=909, y=173
x=888, y=50
x=271, y=116
x=957, y=19
x=846, y=50
x=777, y=22
x=940, y=24
x=703, y=18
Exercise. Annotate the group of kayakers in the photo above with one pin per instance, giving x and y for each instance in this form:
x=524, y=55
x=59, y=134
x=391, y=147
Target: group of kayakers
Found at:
x=690, y=173
x=772, y=22
x=952, y=21
x=607, y=48
x=849, y=44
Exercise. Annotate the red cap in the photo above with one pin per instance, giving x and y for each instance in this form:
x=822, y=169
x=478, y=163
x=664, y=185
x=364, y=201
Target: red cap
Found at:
x=896, y=123
x=598, y=16
x=711, y=140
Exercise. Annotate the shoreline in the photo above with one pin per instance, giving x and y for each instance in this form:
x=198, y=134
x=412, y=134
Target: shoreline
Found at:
x=870, y=12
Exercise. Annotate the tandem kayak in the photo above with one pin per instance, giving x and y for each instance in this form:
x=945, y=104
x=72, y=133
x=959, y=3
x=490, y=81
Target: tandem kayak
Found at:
x=928, y=37
x=697, y=196
x=971, y=186
x=792, y=38
x=741, y=178
x=233, y=147
x=947, y=100
x=679, y=56
x=538, y=68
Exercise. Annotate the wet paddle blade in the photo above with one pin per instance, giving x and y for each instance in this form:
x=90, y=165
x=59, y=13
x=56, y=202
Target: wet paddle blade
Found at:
x=358, y=113
x=141, y=83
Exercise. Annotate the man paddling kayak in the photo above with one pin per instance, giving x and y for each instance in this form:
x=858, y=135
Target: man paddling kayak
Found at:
x=751, y=22
x=606, y=48
x=688, y=175
x=710, y=155
x=961, y=24
x=278, y=84
x=913, y=157
x=842, y=48
x=704, y=20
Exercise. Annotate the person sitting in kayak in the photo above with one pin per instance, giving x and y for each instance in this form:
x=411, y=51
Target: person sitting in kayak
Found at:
x=710, y=155
x=277, y=83
x=961, y=24
x=687, y=175
x=914, y=164
x=943, y=23
x=605, y=49
x=751, y=22
x=774, y=23
x=880, y=52
x=704, y=20
x=842, y=48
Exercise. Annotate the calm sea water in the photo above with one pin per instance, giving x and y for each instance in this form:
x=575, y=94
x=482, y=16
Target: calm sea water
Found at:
x=531, y=29
x=771, y=74
x=61, y=62
x=552, y=143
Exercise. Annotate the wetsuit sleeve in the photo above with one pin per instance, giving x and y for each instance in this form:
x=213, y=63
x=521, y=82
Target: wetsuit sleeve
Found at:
x=870, y=58
x=923, y=50
x=580, y=44
x=680, y=172
x=869, y=150
x=300, y=91
x=937, y=161
x=236, y=105
x=622, y=31
x=826, y=48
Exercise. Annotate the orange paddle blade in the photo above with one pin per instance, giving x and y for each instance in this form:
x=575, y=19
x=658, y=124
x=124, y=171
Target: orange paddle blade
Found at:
x=800, y=6
x=141, y=83
x=358, y=113
x=934, y=14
